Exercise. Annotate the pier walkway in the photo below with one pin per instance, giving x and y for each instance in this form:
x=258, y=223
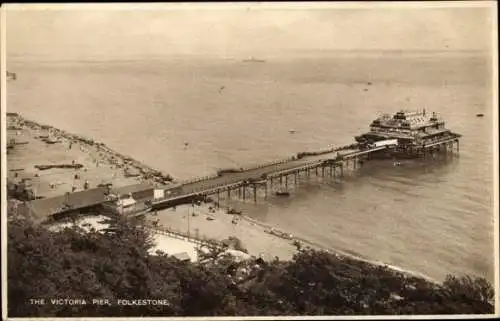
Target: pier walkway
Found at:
x=259, y=176
x=246, y=182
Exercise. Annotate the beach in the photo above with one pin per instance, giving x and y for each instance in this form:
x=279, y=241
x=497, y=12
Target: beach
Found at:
x=85, y=163
x=220, y=226
x=254, y=235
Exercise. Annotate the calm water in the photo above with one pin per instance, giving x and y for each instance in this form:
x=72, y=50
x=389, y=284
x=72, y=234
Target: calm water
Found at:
x=434, y=218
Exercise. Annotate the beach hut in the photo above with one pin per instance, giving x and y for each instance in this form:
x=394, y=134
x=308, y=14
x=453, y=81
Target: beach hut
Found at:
x=158, y=194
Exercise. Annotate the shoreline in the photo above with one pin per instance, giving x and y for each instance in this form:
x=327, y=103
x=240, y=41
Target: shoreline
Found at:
x=250, y=231
x=146, y=171
x=44, y=162
x=338, y=252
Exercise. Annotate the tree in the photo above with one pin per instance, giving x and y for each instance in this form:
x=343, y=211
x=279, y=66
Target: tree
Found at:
x=116, y=265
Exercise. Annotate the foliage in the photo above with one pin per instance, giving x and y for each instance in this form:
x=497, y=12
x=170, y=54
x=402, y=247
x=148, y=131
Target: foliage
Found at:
x=116, y=265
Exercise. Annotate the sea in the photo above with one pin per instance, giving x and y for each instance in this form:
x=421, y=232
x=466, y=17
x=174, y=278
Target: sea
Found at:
x=191, y=115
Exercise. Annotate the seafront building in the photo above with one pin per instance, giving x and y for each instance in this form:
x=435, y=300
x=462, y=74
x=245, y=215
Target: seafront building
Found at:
x=416, y=133
x=91, y=200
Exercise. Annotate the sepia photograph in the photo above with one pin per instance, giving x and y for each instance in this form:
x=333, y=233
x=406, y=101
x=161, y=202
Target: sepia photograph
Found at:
x=278, y=160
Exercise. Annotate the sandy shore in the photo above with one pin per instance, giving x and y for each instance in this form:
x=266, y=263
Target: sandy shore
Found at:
x=99, y=163
x=252, y=234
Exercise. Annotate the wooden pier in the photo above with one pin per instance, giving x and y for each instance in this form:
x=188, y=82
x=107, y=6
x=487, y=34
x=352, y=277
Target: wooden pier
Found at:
x=261, y=181
x=281, y=176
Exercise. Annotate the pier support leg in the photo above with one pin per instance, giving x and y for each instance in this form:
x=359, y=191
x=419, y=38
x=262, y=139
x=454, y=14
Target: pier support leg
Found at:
x=342, y=169
x=228, y=193
x=255, y=193
x=281, y=180
x=265, y=190
x=322, y=171
x=244, y=192
x=286, y=182
x=295, y=179
x=239, y=191
x=316, y=172
x=218, y=197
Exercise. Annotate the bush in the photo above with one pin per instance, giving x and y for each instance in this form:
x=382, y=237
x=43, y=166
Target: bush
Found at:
x=72, y=264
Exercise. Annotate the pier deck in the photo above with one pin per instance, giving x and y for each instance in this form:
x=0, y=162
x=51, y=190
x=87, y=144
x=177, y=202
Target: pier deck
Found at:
x=260, y=175
x=245, y=182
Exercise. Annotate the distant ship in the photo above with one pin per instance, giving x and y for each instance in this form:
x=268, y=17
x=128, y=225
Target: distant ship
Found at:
x=253, y=59
x=11, y=75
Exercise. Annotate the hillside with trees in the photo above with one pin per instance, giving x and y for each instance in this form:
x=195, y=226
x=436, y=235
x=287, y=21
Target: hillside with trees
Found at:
x=116, y=265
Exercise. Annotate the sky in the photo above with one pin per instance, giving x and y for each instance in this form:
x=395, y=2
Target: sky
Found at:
x=117, y=31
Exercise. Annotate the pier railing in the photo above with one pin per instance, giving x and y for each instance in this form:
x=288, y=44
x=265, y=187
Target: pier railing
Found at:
x=243, y=169
x=211, y=189
x=199, y=179
x=274, y=163
x=271, y=163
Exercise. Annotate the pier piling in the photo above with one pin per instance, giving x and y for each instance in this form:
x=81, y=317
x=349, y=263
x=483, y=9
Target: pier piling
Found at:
x=332, y=167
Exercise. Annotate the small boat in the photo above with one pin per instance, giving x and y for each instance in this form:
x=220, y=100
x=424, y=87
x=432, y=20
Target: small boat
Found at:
x=51, y=141
x=276, y=232
x=479, y=115
x=233, y=211
x=210, y=218
x=282, y=193
x=292, y=131
x=253, y=59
